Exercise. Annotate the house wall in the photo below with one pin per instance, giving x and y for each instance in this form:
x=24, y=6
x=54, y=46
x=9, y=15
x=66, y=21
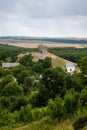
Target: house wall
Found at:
x=70, y=69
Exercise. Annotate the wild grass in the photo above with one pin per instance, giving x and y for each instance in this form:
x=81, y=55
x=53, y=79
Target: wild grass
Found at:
x=59, y=62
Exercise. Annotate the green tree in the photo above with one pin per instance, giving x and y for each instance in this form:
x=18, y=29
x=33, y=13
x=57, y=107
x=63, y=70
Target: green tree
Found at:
x=56, y=109
x=7, y=79
x=73, y=81
x=83, y=67
x=4, y=81
x=21, y=76
x=19, y=72
x=18, y=103
x=2, y=72
x=26, y=113
x=7, y=118
x=27, y=84
x=38, y=67
x=43, y=95
x=26, y=60
x=4, y=103
x=17, y=69
x=12, y=88
x=83, y=97
x=3, y=55
x=71, y=101
x=47, y=63
x=54, y=80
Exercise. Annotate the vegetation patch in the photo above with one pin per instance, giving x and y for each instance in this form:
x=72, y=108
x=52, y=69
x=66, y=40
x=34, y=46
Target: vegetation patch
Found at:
x=40, y=94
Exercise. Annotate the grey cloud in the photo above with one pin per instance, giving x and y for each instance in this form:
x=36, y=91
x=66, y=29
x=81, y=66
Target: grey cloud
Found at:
x=7, y=6
x=54, y=8
x=45, y=8
x=43, y=17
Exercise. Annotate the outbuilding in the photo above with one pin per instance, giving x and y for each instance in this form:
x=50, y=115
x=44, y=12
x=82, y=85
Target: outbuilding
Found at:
x=70, y=67
x=9, y=65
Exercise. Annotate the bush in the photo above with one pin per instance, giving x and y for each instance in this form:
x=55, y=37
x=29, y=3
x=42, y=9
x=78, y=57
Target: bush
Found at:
x=18, y=102
x=2, y=72
x=38, y=113
x=4, y=102
x=83, y=97
x=12, y=88
x=26, y=113
x=80, y=123
x=7, y=118
x=56, y=109
x=71, y=102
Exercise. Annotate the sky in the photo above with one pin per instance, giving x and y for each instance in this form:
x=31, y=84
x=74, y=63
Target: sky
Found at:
x=43, y=18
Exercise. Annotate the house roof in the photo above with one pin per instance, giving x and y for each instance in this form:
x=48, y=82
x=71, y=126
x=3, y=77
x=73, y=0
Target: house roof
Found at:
x=70, y=65
x=8, y=65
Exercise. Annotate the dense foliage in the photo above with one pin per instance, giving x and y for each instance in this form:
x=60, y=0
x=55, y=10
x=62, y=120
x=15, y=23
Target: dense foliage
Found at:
x=34, y=90
x=80, y=123
x=72, y=54
x=9, y=53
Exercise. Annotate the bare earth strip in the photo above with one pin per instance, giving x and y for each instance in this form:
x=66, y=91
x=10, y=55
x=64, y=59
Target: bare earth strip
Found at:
x=35, y=45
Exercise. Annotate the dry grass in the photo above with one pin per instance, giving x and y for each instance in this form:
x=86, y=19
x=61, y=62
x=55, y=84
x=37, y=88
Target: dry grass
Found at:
x=40, y=125
x=35, y=45
x=56, y=61
x=22, y=127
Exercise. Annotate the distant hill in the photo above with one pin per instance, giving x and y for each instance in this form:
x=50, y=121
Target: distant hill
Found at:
x=44, y=39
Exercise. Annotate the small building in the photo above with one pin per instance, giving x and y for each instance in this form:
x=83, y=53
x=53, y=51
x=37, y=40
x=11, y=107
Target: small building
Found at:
x=9, y=65
x=70, y=67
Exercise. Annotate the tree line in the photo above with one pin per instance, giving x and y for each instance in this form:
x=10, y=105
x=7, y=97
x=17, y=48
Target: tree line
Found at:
x=69, y=53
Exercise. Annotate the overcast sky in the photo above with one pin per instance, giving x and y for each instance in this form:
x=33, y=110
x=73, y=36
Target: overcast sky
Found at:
x=44, y=18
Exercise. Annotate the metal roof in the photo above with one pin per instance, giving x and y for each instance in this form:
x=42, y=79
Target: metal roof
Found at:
x=70, y=65
x=8, y=65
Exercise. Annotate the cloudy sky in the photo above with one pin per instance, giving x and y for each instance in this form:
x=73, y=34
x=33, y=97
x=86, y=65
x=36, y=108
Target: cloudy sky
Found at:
x=44, y=18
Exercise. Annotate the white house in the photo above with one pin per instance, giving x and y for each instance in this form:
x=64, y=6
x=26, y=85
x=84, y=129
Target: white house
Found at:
x=9, y=65
x=70, y=67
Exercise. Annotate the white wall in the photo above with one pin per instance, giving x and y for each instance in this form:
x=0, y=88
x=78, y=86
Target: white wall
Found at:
x=70, y=69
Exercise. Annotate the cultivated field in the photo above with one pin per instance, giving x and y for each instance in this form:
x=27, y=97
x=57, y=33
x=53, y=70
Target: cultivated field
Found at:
x=35, y=45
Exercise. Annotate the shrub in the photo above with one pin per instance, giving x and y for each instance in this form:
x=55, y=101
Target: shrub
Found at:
x=12, y=88
x=26, y=113
x=38, y=113
x=83, y=97
x=80, y=123
x=7, y=118
x=56, y=109
x=71, y=101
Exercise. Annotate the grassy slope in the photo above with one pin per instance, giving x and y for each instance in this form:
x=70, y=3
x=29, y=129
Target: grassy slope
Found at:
x=59, y=62
x=56, y=61
x=41, y=125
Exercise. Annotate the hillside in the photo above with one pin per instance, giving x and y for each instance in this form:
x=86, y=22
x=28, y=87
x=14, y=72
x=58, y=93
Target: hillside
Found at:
x=56, y=61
